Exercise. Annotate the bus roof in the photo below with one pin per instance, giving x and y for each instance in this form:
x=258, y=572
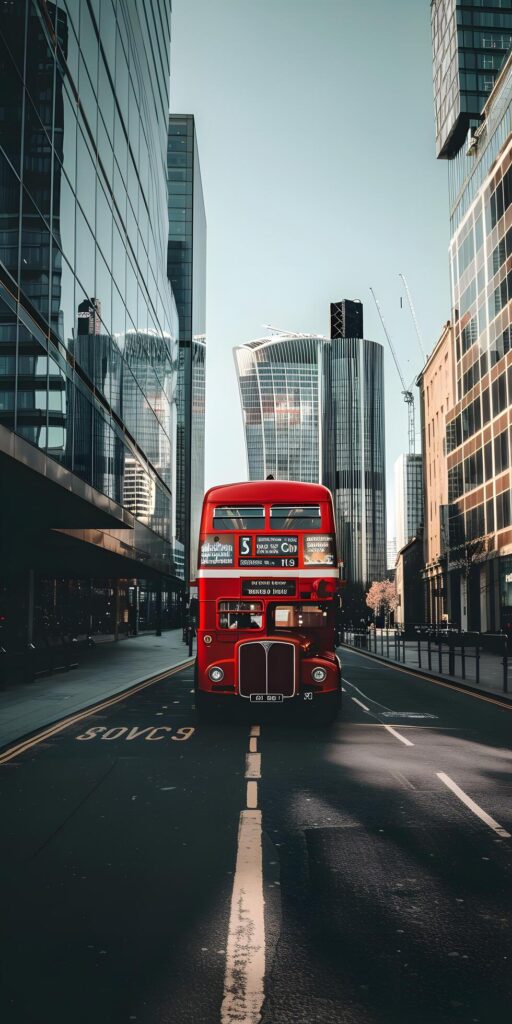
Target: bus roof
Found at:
x=256, y=491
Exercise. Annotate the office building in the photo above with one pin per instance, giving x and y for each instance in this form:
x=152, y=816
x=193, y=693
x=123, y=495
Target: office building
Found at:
x=88, y=321
x=391, y=553
x=469, y=41
x=346, y=319
x=354, y=454
x=408, y=581
x=280, y=390
x=408, y=497
x=437, y=396
x=477, y=523
x=186, y=269
x=313, y=410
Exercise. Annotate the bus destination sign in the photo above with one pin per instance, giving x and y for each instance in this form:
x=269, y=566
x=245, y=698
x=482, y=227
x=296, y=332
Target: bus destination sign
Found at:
x=268, y=588
x=218, y=551
x=264, y=551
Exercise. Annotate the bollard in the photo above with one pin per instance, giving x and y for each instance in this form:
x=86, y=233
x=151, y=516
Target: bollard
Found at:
x=395, y=644
x=429, y=653
x=381, y=642
x=190, y=641
x=477, y=664
x=462, y=659
x=419, y=653
x=451, y=657
x=440, y=654
x=505, y=665
x=387, y=642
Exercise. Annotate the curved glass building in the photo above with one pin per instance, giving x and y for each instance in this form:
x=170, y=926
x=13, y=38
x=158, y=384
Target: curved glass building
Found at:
x=280, y=384
x=313, y=410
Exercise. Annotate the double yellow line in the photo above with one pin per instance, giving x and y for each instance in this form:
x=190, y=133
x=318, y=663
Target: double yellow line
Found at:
x=506, y=705
x=65, y=723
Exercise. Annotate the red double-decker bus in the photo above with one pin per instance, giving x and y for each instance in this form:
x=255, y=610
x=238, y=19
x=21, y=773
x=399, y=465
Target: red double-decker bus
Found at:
x=268, y=586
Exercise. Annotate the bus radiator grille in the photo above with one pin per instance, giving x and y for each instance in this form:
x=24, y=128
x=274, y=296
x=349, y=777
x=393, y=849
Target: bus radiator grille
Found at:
x=266, y=666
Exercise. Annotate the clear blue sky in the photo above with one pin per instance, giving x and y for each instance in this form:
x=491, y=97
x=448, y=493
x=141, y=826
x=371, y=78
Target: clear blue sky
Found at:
x=316, y=139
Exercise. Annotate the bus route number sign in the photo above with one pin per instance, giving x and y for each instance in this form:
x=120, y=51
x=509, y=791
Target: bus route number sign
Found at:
x=268, y=588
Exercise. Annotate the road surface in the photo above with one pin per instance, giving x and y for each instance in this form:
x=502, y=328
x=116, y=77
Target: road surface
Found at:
x=164, y=872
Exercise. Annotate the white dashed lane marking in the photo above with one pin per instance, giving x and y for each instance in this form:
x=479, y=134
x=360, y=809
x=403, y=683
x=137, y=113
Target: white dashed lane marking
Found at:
x=398, y=736
x=245, y=950
x=480, y=813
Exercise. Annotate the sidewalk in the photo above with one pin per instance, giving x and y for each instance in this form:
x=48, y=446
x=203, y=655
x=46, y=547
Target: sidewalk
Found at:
x=104, y=670
x=490, y=668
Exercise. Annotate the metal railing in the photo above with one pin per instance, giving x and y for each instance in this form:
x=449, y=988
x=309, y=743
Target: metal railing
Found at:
x=443, y=651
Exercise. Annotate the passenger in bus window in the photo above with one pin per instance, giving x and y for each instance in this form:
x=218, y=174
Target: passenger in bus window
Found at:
x=244, y=620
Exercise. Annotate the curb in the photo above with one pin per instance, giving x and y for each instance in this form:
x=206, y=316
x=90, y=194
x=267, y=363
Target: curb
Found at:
x=452, y=681
x=60, y=723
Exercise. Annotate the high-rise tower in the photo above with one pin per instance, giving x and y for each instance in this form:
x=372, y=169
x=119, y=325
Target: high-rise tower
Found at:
x=186, y=269
x=313, y=410
x=469, y=41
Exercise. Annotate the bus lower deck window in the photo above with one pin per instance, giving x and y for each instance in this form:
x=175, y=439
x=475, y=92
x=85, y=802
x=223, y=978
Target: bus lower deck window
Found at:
x=297, y=616
x=240, y=614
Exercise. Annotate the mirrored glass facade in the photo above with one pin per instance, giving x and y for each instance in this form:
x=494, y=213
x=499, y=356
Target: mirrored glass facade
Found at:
x=478, y=440
x=470, y=39
x=354, y=454
x=408, y=497
x=88, y=321
x=186, y=268
x=313, y=410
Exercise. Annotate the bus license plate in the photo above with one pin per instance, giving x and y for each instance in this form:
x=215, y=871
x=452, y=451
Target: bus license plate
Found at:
x=266, y=698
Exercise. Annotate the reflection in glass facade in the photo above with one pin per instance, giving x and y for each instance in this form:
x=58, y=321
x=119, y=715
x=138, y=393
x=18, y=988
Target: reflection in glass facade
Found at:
x=408, y=497
x=88, y=322
x=478, y=432
x=280, y=382
x=470, y=39
x=186, y=269
x=313, y=411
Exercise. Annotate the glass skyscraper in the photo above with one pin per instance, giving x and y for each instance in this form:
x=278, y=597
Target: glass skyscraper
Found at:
x=313, y=410
x=354, y=454
x=186, y=268
x=470, y=39
x=408, y=497
x=88, y=321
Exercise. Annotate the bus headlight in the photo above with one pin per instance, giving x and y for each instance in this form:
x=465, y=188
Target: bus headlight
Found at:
x=216, y=674
x=319, y=674
x=207, y=639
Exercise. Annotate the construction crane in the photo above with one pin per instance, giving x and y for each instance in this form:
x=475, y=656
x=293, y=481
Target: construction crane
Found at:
x=414, y=320
x=406, y=392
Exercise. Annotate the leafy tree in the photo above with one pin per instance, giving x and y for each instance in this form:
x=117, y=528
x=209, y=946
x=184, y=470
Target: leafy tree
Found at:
x=382, y=598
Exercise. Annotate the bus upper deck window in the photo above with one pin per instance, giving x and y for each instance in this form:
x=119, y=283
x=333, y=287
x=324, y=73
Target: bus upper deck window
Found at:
x=239, y=518
x=295, y=517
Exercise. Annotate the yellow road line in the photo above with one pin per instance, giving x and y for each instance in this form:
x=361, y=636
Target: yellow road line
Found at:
x=428, y=679
x=65, y=723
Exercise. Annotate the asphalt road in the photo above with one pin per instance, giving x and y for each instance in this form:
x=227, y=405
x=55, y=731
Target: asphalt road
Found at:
x=136, y=879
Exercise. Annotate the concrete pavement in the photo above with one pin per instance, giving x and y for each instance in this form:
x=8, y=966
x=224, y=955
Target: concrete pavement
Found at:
x=103, y=670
